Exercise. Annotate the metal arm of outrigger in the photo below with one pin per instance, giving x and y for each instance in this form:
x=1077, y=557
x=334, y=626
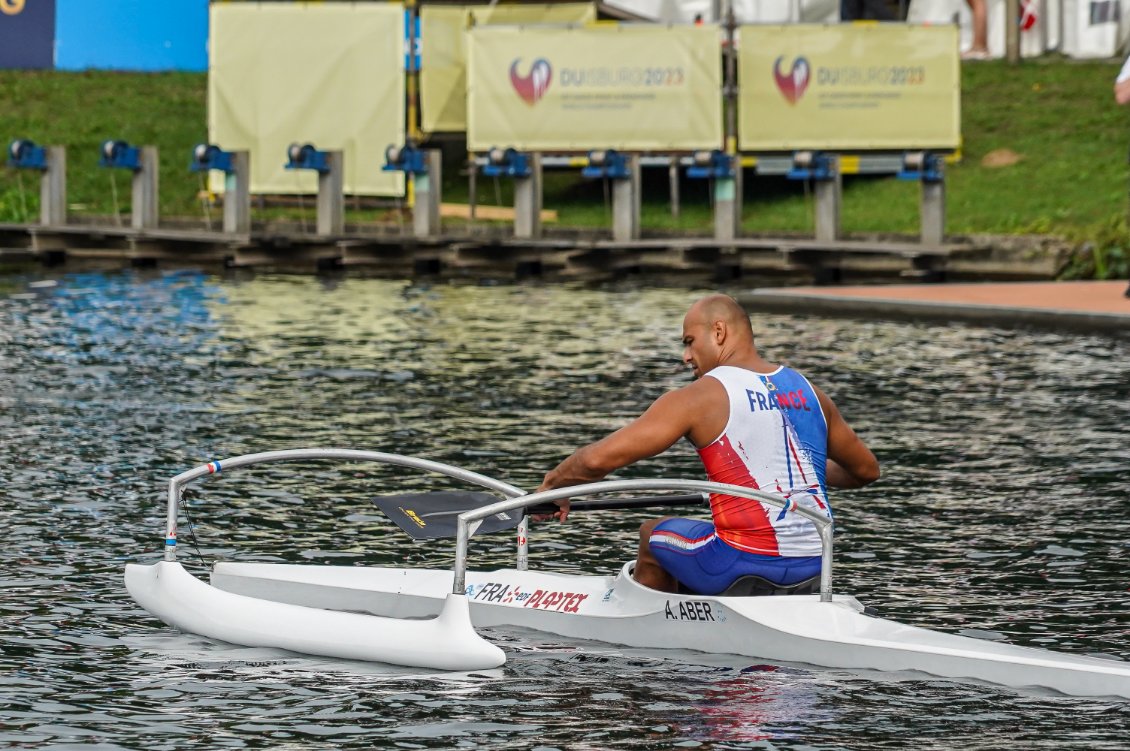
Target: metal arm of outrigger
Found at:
x=469, y=518
x=516, y=498
x=177, y=484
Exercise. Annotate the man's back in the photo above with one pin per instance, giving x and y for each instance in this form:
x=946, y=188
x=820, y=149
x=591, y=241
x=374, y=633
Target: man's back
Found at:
x=775, y=439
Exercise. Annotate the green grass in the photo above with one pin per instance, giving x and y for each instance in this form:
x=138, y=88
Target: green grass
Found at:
x=80, y=111
x=1058, y=115
x=1062, y=119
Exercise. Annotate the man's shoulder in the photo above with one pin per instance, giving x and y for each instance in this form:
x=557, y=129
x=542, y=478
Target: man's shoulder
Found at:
x=703, y=392
x=698, y=390
x=700, y=408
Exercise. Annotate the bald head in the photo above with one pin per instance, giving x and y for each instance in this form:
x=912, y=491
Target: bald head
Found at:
x=717, y=331
x=714, y=308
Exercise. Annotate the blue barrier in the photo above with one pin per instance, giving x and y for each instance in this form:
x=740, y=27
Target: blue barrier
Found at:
x=120, y=155
x=208, y=156
x=607, y=163
x=25, y=154
x=812, y=165
x=407, y=159
x=507, y=162
x=925, y=166
x=712, y=165
x=305, y=156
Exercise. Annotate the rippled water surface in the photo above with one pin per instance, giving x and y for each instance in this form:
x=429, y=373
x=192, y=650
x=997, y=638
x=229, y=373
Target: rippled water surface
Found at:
x=1003, y=513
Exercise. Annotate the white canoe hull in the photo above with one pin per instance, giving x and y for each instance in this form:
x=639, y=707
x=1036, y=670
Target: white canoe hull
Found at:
x=618, y=610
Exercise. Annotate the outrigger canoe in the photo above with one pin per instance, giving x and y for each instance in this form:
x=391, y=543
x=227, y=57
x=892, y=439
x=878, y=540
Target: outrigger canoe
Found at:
x=430, y=618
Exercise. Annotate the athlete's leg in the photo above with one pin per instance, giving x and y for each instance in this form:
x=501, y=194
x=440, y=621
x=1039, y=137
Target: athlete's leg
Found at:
x=648, y=572
x=682, y=550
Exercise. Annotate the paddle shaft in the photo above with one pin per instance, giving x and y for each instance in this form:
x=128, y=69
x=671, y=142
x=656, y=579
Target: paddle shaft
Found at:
x=434, y=515
x=608, y=504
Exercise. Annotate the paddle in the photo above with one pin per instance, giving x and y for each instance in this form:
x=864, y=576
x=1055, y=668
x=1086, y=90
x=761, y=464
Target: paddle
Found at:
x=429, y=516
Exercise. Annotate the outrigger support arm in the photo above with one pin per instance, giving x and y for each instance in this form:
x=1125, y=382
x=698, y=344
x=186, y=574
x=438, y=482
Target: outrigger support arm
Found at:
x=177, y=484
x=469, y=518
x=516, y=498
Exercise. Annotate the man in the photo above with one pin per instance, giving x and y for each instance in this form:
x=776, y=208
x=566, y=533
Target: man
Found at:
x=754, y=424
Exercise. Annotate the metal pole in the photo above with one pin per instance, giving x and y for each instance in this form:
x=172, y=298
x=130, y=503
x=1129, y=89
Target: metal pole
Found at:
x=1012, y=30
x=825, y=562
x=144, y=206
x=410, y=88
x=472, y=185
x=673, y=183
x=331, y=196
x=425, y=214
x=730, y=86
x=626, y=203
x=237, y=194
x=527, y=201
x=730, y=190
x=411, y=80
x=462, y=538
x=932, y=212
x=523, y=557
x=53, y=188
x=175, y=486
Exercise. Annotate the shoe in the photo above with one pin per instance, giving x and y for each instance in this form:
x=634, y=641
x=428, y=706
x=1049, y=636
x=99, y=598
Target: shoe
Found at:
x=975, y=55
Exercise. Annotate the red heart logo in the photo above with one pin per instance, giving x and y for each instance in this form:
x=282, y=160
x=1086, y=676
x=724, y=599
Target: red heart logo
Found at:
x=793, y=83
x=533, y=86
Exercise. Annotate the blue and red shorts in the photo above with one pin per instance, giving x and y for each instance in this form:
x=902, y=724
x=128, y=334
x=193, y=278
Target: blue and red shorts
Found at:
x=689, y=550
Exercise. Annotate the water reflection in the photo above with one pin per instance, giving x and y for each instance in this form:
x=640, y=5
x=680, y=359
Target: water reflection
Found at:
x=1003, y=511
x=761, y=702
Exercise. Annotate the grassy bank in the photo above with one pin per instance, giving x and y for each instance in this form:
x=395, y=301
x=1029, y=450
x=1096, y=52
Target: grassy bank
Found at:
x=1056, y=118
x=80, y=111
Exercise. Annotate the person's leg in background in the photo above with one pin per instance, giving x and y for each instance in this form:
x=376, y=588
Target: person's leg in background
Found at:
x=979, y=49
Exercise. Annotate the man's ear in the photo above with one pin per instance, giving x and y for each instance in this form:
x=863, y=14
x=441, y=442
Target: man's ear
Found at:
x=719, y=332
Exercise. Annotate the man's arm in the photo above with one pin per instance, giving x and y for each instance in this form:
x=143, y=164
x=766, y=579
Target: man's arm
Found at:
x=1122, y=91
x=670, y=417
x=850, y=463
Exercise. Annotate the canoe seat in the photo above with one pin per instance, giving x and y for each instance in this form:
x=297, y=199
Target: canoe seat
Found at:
x=756, y=586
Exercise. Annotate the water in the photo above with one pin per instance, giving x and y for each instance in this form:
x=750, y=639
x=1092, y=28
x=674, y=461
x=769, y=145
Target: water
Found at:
x=1002, y=513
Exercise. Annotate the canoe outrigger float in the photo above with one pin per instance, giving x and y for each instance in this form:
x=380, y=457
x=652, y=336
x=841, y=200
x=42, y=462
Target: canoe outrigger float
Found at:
x=428, y=618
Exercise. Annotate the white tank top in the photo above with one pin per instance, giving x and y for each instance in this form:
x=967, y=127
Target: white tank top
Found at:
x=776, y=440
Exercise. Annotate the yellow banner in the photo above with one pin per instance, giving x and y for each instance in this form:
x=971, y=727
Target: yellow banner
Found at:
x=631, y=87
x=443, y=67
x=849, y=86
x=329, y=74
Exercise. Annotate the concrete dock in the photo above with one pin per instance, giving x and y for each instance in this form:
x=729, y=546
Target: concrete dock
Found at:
x=1083, y=305
x=1015, y=284
x=579, y=254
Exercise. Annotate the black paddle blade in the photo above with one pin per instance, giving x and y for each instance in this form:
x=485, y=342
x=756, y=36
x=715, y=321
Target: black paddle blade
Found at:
x=428, y=516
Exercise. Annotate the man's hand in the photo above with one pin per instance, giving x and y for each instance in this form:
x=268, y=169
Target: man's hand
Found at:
x=562, y=512
x=560, y=515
